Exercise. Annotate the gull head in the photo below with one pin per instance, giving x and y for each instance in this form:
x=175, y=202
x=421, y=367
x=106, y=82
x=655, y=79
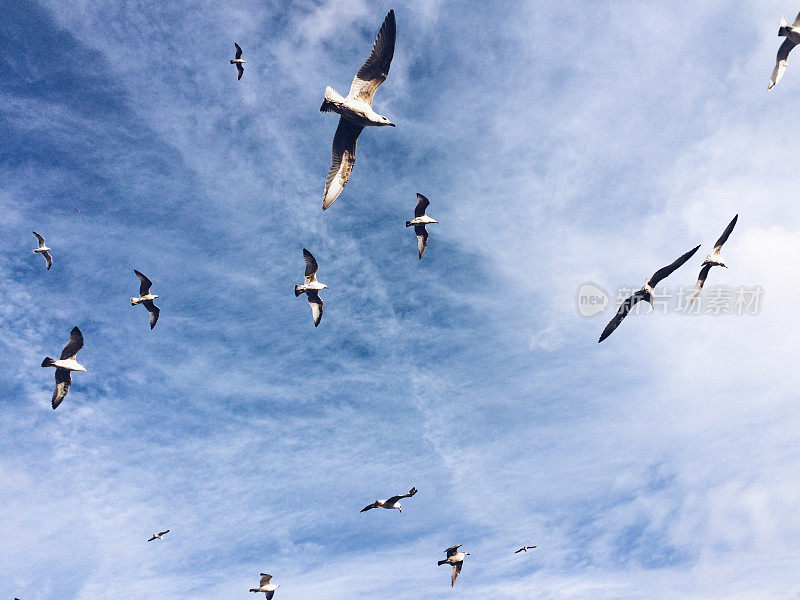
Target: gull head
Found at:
x=384, y=121
x=81, y=368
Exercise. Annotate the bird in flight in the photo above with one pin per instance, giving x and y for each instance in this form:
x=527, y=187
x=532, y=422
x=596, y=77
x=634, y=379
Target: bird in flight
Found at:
x=524, y=549
x=419, y=221
x=159, y=536
x=356, y=110
x=455, y=558
x=266, y=587
x=311, y=287
x=43, y=250
x=646, y=293
x=714, y=259
x=238, y=61
x=65, y=365
x=792, y=35
x=146, y=298
x=393, y=502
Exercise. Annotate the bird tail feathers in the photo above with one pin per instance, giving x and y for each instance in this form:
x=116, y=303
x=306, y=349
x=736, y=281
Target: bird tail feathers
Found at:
x=297, y=291
x=48, y=362
x=134, y=301
x=408, y=223
x=233, y=62
x=784, y=29
x=332, y=98
x=442, y=562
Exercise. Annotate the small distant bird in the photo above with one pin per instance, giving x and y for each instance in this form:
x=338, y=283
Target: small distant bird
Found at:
x=419, y=221
x=792, y=35
x=146, y=298
x=356, y=110
x=393, y=502
x=311, y=287
x=238, y=61
x=714, y=259
x=455, y=558
x=646, y=293
x=65, y=364
x=266, y=587
x=43, y=250
x=159, y=536
x=524, y=549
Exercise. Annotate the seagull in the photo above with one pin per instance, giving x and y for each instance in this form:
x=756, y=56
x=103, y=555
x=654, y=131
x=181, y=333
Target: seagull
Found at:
x=238, y=61
x=393, y=502
x=455, y=558
x=311, y=287
x=43, y=250
x=524, y=549
x=714, y=259
x=419, y=222
x=146, y=298
x=646, y=293
x=265, y=586
x=356, y=110
x=792, y=35
x=159, y=536
x=65, y=364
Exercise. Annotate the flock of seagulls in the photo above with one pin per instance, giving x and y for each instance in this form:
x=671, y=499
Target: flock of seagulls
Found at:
x=355, y=113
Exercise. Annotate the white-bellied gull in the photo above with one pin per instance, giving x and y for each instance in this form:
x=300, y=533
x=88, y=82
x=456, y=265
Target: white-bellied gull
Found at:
x=393, y=502
x=311, y=287
x=792, y=35
x=356, y=110
x=646, y=293
x=455, y=558
x=265, y=586
x=714, y=259
x=64, y=365
x=419, y=221
x=238, y=61
x=146, y=298
x=43, y=250
x=159, y=536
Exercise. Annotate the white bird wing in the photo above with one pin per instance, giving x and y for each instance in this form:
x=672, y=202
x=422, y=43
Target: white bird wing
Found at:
x=796, y=20
x=145, y=285
x=343, y=157
x=63, y=381
x=311, y=266
x=47, y=259
x=781, y=62
x=74, y=345
x=154, y=312
x=40, y=239
x=316, y=305
x=456, y=572
x=374, y=71
x=422, y=238
x=422, y=204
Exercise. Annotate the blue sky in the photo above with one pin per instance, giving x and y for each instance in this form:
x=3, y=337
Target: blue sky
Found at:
x=559, y=145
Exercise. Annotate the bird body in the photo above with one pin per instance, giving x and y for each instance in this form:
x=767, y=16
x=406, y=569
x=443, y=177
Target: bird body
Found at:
x=65, y=364
x=456, y=559
x=391, y=503
x=43, y=250
x=355, y=111
x=792, y=35
x=311, y=287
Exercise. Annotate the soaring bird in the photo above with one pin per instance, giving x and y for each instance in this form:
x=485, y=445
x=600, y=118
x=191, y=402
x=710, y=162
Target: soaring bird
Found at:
x=646, y=293
x=524, y=549
x=455, y=558
x=159, y=536
x=238, y=61
x=266, y=587
x=65, y=364
x=419, y=221
x=714, y=259
x=43, y=250
x=792, y=35
x=393, y=502
x=311, y=287
x=146, y=298
x=356, y=110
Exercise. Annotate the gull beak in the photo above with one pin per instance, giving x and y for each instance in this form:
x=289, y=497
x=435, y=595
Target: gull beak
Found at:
x=392, y=125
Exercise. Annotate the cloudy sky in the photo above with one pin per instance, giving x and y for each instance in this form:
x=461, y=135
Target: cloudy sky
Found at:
x=559, y=145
